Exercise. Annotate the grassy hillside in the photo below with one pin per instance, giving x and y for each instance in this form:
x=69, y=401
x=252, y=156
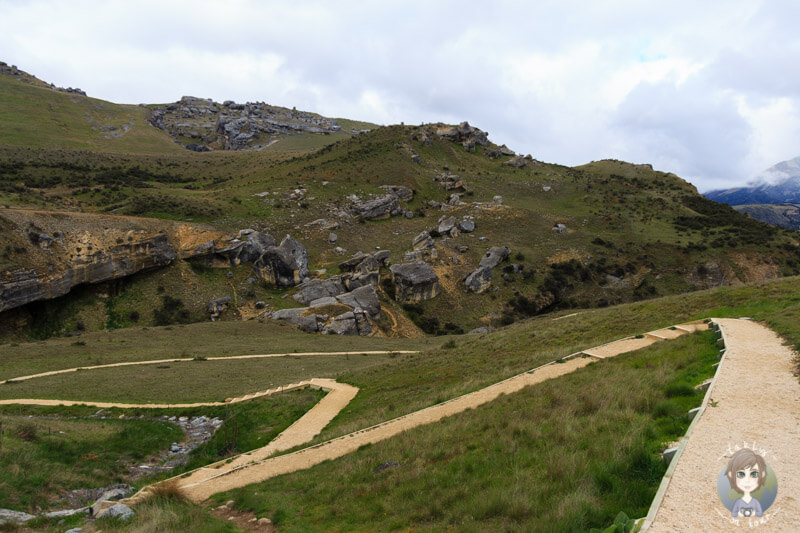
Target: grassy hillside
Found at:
x=40, y=117
x=632, y=232
x=570, y=453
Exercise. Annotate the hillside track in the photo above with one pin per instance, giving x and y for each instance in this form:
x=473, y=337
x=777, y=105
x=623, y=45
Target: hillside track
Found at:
x=205, y=482
x=754, y=402
x=261, y=464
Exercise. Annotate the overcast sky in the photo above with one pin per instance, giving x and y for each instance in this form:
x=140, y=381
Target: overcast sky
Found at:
x=707, y=89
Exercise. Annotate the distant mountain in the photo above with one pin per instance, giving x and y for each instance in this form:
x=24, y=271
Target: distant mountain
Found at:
x=779, y=184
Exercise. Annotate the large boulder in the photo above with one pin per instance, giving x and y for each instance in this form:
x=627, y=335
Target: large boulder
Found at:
x=255, y=246
x=285, y=265
x=378, y=208
x=414, y=282
x=465, y=134
x=216, y=307
x=302, y=317
x=319, y=288
x=494, y=256
x=481, y=278
x=363, y=297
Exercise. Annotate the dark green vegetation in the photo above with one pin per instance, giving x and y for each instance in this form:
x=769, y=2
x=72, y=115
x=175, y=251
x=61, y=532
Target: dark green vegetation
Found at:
x=564, y=455
x=40, y=457
x=45, y=451
x=633, y=233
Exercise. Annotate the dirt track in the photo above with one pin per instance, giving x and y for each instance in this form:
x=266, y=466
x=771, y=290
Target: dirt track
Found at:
x=257, y=465
x=755, y=400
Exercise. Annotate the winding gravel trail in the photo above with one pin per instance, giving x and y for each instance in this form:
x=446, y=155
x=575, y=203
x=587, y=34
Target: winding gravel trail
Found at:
x=755, y=403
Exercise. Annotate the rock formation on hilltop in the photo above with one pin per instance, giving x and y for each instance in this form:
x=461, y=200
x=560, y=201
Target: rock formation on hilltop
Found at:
x=201, y=124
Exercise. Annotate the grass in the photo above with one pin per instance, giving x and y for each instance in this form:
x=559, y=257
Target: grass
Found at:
x=41, y=457
x=45, y=450
x=564, y=455
x=205, y=339
x=186, y=382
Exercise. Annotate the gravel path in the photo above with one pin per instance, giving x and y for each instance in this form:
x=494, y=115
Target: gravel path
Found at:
x=222, y=476
x=755, y=403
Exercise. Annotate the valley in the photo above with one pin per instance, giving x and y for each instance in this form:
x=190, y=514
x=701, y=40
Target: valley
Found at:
x=168, y=261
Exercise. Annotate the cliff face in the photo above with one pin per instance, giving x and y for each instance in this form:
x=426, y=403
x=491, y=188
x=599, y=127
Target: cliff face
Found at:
x=23, y=286
x=43, y=254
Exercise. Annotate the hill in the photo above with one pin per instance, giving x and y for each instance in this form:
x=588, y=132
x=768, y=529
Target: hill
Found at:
x=785, y=215
x=503, y=236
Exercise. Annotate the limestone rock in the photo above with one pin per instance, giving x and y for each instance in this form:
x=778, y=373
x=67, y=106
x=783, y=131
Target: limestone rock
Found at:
x=481, y=278
x=285, y=265
x=450, y=182
x=302, y=317
x=7, y=516
x=494, y=256
x=500, y=151
x=422, y=241
x=319, y=288
x=559, y=228
x=465, y=134
x=414, y=282
x=466, y=226
x=119, y=511
x=446, y=225
x=364, y=298
x=216, y=307
x=377, y=208
x=401, y=191
x=20, y=287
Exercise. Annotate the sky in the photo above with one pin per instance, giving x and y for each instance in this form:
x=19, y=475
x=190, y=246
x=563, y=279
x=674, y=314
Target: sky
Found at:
x=707, y=89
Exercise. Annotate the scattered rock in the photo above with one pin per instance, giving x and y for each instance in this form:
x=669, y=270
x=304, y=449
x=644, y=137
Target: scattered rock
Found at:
x=559, y=228
x=402, y=192
x=497, y=200
x=14, y=517
x=422, y=241
x=216, y=307
x=464, y=134
x=378, y=208
x=414, y=282
x=446, y=225
x=332, y=238
x=480, y=280
x=449, y=182
x=482, y=329
x=119, y=511
x=385, y=466
x=501, y=150
x=466, y=226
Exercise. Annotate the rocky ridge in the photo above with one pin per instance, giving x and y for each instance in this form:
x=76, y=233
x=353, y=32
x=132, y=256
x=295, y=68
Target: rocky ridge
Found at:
x=201, y=124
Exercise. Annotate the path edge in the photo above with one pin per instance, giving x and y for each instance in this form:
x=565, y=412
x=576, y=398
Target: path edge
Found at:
x=648, y=520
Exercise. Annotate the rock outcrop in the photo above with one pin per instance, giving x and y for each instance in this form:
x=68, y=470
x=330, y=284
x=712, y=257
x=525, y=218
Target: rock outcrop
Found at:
x=384, y=206
x=348, y=313
x=481, y=278
x=465, y=134
x=201, y=124
x=216, y=307
x=285, y=265
x=414, y=282
x=89, y=263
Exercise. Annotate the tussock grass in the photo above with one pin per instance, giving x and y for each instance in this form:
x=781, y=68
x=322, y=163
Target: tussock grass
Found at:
x=567, y=454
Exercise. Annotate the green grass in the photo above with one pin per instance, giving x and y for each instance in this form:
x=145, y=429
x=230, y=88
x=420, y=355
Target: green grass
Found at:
x=564, y=455
x=207, y=339
x=188, y=382
x=40, y=457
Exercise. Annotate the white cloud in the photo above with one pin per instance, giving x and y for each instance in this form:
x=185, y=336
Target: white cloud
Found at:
x=708, y=90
